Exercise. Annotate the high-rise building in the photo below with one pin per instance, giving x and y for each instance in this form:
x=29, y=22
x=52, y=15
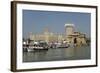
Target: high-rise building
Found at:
x=69, y=29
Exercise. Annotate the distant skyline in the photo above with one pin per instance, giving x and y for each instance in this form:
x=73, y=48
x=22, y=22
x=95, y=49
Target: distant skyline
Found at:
x=36, y=21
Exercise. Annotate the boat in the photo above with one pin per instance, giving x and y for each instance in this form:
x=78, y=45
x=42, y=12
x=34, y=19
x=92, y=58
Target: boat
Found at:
x=30, y=49
x=41, y=46
x=62, y=45
x=36, y=46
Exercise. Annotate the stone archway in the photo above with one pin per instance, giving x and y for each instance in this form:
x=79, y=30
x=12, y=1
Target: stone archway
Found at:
x=75, y=40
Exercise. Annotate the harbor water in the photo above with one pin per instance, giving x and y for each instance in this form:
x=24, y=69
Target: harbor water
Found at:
x=57, y=54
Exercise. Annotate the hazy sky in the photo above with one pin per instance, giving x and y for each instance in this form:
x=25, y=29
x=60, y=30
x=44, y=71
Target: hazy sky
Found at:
x=36, y=21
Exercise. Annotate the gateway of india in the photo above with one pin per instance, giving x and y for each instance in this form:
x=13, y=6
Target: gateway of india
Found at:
x=70, y=36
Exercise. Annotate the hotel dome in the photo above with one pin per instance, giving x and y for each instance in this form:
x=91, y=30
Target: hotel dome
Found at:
x=69, y=25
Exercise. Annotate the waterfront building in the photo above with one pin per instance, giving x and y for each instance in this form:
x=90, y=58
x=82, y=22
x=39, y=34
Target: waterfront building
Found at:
x=70, y=36
x=73, y=36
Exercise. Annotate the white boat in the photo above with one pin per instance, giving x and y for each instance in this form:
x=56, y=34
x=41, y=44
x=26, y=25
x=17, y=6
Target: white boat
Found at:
x=30, y=49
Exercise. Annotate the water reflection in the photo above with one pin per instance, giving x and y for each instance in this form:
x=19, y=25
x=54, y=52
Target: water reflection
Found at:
x=53, y=54
x=69, y=52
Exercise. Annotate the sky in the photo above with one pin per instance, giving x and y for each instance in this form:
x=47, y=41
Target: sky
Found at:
x=36, y=21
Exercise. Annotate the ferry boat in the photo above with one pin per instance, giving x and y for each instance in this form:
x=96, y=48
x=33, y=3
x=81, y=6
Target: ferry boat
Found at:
x=41, y=46
x=59, y=45
x=35, y=46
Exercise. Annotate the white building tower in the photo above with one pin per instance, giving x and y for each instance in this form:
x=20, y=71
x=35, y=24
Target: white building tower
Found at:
x=69, y=29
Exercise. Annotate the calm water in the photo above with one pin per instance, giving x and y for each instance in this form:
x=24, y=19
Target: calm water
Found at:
x=77, y=53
